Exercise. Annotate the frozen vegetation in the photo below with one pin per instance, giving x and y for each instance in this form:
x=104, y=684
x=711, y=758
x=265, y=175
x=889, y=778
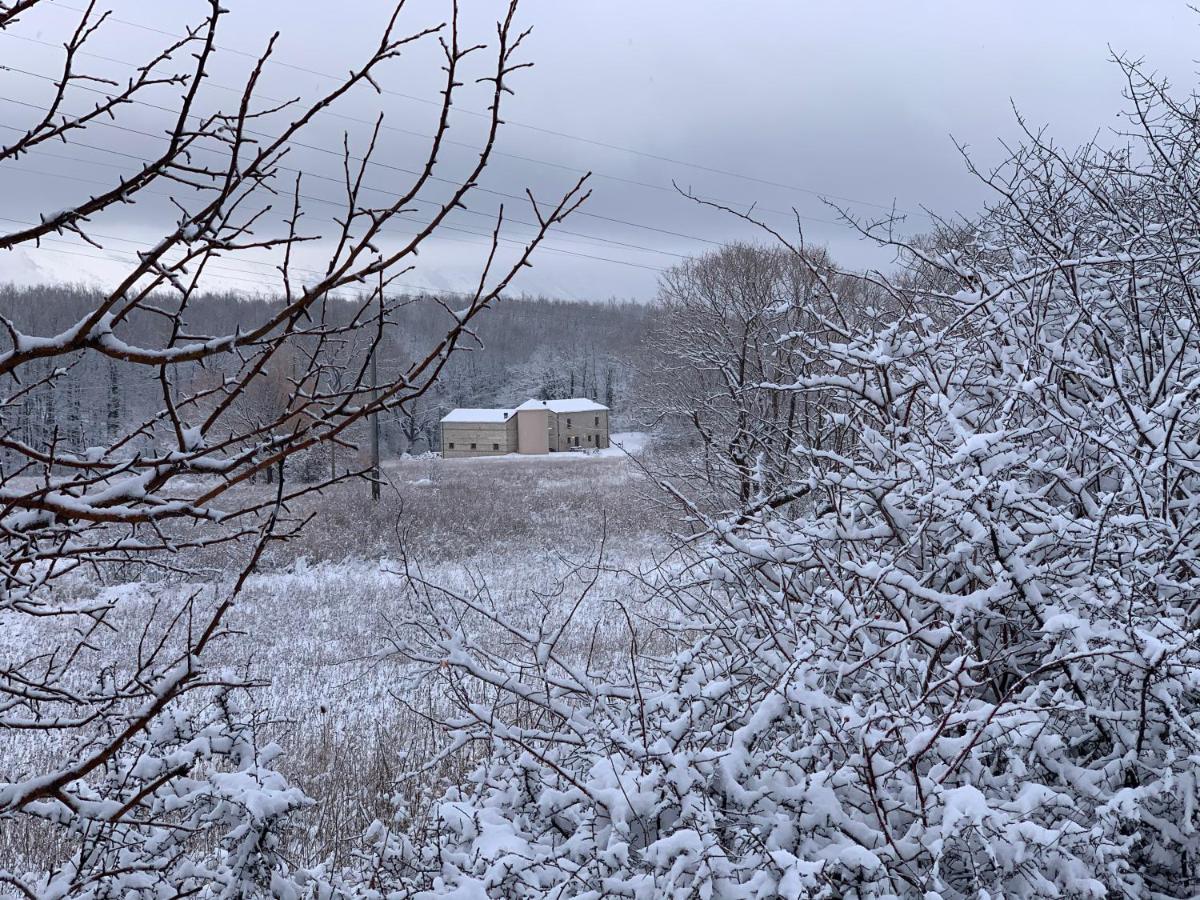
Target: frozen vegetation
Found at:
x=316, y=622
x=899, y=599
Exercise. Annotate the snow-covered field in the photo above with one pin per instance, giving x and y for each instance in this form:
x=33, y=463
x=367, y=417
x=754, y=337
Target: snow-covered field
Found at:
x=315, y=624
x=623, y=444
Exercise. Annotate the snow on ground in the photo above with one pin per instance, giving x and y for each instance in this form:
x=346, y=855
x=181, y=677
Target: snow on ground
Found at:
x=314, y=622
x=631, y=442
x=623, y=444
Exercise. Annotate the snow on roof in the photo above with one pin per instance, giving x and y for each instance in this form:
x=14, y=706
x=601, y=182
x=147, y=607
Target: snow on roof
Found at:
x=570, y=405
x=478, y=416
x=576, y=404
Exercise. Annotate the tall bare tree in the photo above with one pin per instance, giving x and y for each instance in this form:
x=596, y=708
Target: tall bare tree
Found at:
x=729, y=327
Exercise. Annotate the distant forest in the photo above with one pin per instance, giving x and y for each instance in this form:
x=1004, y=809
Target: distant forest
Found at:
x=526, y=347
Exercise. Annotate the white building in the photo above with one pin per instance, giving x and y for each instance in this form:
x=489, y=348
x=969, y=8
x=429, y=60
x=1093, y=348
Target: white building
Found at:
x=536, y=426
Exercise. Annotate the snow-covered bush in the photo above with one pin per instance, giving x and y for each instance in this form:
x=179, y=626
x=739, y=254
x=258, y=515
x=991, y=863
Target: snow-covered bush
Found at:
x=964, y=664
x=188, y=803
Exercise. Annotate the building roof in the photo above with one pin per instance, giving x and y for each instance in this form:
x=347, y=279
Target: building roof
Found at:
x=570, y=405
x=478, y=416
x=500, y=416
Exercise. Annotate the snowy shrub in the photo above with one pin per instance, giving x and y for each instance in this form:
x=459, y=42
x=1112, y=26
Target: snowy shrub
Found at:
x=958, y=658
x=189, y=798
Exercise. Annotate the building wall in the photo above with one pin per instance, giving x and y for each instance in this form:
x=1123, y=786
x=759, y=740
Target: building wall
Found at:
x=499, y=438
x=533, y=431
x=591, y=428
x=489, y=438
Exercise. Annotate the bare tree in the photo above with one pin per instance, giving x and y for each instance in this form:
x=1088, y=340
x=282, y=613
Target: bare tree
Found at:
x=730, y=324
x=141, y=789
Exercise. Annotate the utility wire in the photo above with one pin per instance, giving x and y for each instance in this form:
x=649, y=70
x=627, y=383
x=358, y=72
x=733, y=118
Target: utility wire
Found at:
x=549, y=248
x=256, y=278
x=220, y=267
x=387, y=231
x=340, y=155
x=790, y=214
x=558, y=231
x=535, y=128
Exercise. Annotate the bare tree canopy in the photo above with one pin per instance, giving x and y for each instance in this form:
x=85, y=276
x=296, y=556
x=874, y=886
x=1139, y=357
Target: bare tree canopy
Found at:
x=734, y=320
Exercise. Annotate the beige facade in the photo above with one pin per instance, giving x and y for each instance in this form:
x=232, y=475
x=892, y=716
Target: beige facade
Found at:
x=533, y=431
x=462, y=439
x=534, y=427
x=579, y=430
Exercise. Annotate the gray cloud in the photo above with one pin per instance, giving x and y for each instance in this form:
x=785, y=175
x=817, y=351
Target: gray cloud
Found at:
x=854, y=100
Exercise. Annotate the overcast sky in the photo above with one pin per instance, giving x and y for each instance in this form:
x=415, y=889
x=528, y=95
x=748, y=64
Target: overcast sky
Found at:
x=850, y=100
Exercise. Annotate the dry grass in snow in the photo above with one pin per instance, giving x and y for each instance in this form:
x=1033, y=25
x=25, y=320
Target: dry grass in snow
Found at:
x=315, y=624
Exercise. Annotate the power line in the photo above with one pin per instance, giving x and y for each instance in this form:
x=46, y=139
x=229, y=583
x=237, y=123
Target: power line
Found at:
x=256, y=279
x=386, y=126
x=536, y=128
x=217, y=267
x=388, y=231
x=403, y=170
x=256, y=282
x=558, y=232
x=549, y=248
x=275, y=267
x=393, y=167
x=545, y=247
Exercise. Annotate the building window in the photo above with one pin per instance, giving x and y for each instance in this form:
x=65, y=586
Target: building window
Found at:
x=597, y=421
x=452, y=445
x=495, y=446
x=568, y=422
x=472, y=446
